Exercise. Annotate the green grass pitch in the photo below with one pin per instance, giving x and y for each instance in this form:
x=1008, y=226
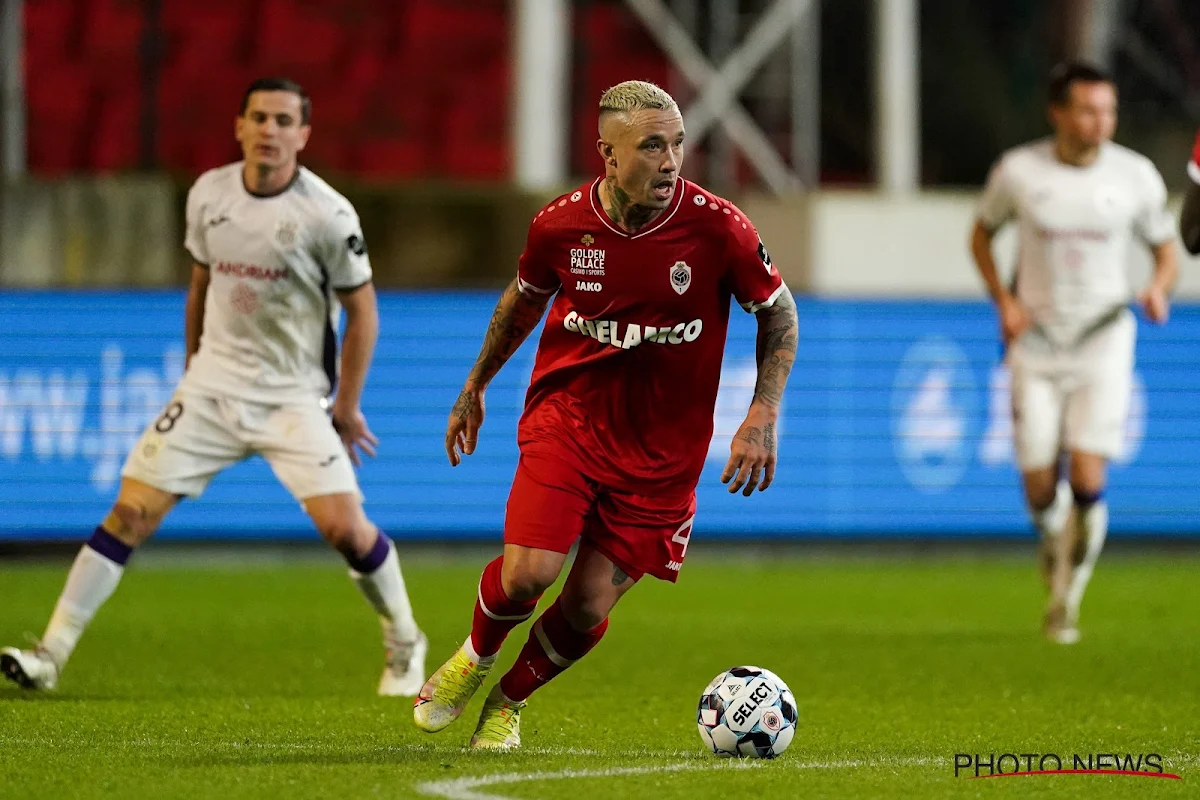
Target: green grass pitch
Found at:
x=257, y=680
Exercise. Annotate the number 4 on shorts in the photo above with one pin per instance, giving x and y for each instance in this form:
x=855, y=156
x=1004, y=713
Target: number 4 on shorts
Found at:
x=684, y=535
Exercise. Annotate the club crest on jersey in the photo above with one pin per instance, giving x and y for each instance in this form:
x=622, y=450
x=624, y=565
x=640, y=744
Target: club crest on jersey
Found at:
x=681, y=277
x=285, y=233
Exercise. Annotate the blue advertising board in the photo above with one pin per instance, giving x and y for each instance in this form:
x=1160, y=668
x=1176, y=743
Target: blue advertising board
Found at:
x=895, y=424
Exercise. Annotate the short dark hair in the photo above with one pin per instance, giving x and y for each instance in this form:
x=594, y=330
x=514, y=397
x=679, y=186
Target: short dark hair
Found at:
x=1066, y=75
x=279, y=85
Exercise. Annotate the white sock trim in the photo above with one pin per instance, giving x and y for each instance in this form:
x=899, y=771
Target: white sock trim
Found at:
x=473, y=654
x=544, y=641
x=499, y=617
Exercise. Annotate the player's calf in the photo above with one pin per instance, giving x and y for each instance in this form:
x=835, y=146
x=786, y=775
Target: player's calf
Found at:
x=93, y=578
x=553, y=646
x=375, y=570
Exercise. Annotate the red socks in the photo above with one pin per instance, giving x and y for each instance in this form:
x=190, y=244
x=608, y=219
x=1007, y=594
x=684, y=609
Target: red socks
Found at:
x=495, y=614
x=553, y=646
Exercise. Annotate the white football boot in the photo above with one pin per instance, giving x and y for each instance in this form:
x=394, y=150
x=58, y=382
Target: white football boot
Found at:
x=404, y=673
x=30, y=669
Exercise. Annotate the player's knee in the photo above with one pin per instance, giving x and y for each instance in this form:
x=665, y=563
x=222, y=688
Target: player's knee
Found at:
x=1040, y=494
x=526, y=583
x=1087, y=478
x=1087, y=492
x=132, y=523
x=348, y=538
x=585, y=613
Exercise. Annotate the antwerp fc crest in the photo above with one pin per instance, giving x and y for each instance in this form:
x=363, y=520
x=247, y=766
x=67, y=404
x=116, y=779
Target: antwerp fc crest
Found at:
x=681, y=277
x=285, y=233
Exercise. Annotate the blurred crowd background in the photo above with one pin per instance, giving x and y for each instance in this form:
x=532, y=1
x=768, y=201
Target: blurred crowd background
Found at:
x=422, y=108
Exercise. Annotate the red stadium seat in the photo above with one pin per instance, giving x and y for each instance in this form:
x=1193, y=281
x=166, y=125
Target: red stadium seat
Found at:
x=51, y=33
x=196, y=118
x=116, y=139
x=112, y=36
x=203, y=35
x=385, y=157
x=457, y=36
x=477, y=124
x=292, y=34
x=60, y=103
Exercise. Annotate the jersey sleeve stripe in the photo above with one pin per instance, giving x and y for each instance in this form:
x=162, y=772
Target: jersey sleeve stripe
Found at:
x=1193, y=170
x=754, y=308
x=525, y=286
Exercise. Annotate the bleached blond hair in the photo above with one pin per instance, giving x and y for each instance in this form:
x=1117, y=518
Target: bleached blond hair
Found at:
x=631, y=96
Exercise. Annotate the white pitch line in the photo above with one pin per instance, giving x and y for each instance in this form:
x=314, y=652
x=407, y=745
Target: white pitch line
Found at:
x=465, y=788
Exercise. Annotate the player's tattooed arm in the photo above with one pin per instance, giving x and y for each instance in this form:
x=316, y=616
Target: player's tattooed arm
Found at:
x=778, y=335
x=516, y=315
x=753, y=452
x=1189, y=220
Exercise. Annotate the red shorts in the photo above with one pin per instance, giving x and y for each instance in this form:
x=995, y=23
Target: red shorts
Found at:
x=552, y=504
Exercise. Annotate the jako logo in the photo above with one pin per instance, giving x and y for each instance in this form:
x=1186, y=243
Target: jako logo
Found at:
x=607, y=331
x=43, y=412
x=588, y=286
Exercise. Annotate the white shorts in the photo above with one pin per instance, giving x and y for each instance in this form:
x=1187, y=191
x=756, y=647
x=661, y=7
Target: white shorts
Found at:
x=1075, y=400
x=197, y=436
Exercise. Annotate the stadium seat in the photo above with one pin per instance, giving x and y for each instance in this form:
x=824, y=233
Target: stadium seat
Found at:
x=51, y=33
x=196, y=118
x=295, y=34
x=112, y=38
x=383, y=157
x=476, y=127
x=202, y=35
x=116, y=138
x=59, y=109
x=457, y=36
x=338, y=110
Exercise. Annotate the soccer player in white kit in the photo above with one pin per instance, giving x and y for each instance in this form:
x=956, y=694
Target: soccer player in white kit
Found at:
x=1079, y=201
x=277, y=251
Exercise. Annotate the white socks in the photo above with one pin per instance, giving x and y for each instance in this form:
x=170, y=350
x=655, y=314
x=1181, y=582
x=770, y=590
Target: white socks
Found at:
x=1090, y=526
x=385, y=591
x=91, y=581
x=1051, y=520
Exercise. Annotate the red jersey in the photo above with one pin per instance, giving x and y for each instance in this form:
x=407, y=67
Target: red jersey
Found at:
x=627, y=368
x=1194, y=164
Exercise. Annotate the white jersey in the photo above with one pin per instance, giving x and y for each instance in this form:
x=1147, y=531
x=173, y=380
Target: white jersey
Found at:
x=1075, y=229
x=271, y=314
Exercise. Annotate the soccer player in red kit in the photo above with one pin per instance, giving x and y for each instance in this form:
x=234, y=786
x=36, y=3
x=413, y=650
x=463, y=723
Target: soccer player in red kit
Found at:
x=641, y=266
x=1189, y=219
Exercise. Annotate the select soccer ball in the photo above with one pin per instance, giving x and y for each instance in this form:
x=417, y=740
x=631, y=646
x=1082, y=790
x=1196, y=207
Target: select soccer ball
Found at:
x=747, y=711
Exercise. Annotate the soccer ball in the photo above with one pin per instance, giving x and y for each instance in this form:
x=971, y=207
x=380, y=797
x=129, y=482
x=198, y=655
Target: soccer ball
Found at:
x=747, y=711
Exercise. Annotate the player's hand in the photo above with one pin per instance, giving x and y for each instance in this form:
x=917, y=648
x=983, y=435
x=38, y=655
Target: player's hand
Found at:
x=351, y=425
x=1014, y=318
x=752, y=453
x=466, y=418
x=1155, y=302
